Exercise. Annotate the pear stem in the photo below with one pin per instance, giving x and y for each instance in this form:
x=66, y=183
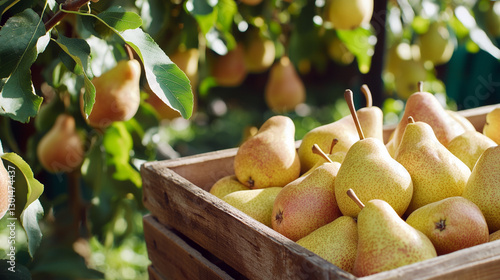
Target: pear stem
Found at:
x=354, y=197
x=411, y=120
x=368, y=95
x=317, y=150
x=420, y=86
x=350, y=102
x=334, y=142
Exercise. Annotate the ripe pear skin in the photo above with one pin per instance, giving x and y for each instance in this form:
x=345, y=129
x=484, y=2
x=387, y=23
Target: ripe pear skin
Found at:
x=335, y=242
x=229, y=70
x=371, y=119
x=386, y=242
x=436, y=173
x=269, y=158
x=483, y=186
x=435, y=44
x=350, y=14
x=372, y=173
x=307, y=203
x=495, y=236
x=61, y=149
x=284, y=89
x=4, y=189
x=260, y=53
x=117, y=96
x=424, y=106
x=257, y=203
x=452, y=224
x=469, y=146
x=492, y=126
x=227, y=185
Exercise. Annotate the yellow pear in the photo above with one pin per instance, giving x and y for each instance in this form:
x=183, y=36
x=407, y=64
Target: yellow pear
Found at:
x=257, y=203
x=492, y=126
x=350, y=14
x=452, y=224
x=408, y=74
x=435, y=44
x=260, y=52
x=469, y=146
x=335, y=157
x=61, y=149
x=371, y=118
x=229, y=70
x=335, y=242
x=284, y=89
x=307, y=203
x=385, y=241
x=495, y=235
x=227, y=185
x=4, y=189
x=436, y=173
x=483, y=186
x=425, y=107
x=372, y=173
x=117, y=96
x=269, y=158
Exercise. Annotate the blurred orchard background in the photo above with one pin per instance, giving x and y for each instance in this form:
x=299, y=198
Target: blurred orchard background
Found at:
x=246, y=61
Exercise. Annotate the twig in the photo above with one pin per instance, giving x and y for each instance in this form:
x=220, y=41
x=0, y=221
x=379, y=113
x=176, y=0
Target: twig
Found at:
x=69, y=5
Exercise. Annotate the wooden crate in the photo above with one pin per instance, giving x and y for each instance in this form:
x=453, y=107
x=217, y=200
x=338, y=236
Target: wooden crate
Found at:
x=192, y=234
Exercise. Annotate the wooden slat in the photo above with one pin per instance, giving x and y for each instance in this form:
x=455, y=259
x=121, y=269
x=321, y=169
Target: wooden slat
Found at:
x=478, y=262
x=251, y=248
x=173, y=258
x=154, y=274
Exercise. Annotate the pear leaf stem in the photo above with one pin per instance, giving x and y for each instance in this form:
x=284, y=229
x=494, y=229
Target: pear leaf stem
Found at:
x=317, y=150
x=368, y=95
x=350, y=102
x=354, y=197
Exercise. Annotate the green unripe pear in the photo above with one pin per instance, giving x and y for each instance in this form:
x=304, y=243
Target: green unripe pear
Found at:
x=350, y=14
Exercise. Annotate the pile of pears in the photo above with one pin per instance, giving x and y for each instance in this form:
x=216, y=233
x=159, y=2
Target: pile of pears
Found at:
x=366, y=205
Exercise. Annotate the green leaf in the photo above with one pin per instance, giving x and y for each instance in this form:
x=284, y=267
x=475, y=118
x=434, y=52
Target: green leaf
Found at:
x=27, y=191
x=200, y=7
x=79, y=51
x=118, y=143
x=13, y=271
x=29, y=220
x=360, y=43
x=164, y=77
x=119, y=19
x=21, y=40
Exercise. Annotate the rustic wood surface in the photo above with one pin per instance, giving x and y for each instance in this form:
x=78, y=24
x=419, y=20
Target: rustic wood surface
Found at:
x=173, y=258
x=176, y=193
x=154, y=274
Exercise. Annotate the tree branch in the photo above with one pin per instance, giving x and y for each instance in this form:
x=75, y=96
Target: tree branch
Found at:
x=69, y=5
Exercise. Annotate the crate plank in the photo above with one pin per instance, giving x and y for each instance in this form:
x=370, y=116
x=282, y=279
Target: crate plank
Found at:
x=251, y=248
x=478, y=262
x=173, y=258
x=154, y=274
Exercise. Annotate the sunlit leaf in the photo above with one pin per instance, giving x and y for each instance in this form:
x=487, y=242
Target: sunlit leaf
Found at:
x=30, y=221
x=361, y=43
x=18, y=50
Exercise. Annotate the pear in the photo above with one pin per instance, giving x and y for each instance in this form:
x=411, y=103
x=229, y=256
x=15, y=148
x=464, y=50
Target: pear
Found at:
x=494, y=236
x=385, y=241
x=436, y=173
x=335, y=242
x=461, y=121
x=371, y=118
x=307, y=203
x=187, y=60
x=350, y=14
x=408, y=74
x=335, y=157
x=117, y=94
x=61, y=149
x=260, y=52
x=492, y=126
x=469, y=146
x=269, y=158
x=229, y=70
x=424, y=107
x=227, y=185
x=257, y=203
x=435, y=44
x=452, y=224
x=4, y=189
x=372, y=173
x=284, y=89
x=483, y=186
